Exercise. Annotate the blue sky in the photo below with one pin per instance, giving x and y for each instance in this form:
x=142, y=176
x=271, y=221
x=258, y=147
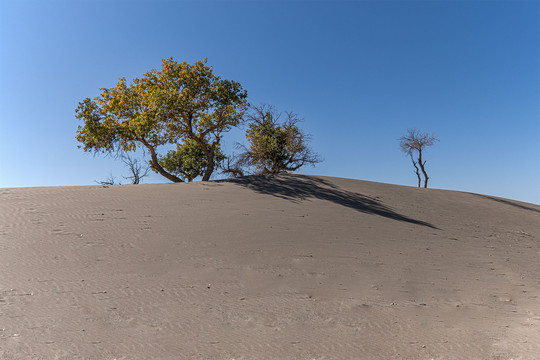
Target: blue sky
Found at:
x=359, y=72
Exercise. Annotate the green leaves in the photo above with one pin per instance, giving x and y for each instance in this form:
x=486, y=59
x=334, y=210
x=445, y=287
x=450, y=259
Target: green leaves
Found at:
x=273, y=146
x=188, y=160
x=180, y=103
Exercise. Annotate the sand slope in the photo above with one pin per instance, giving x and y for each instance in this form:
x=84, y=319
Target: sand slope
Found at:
x=287, y=267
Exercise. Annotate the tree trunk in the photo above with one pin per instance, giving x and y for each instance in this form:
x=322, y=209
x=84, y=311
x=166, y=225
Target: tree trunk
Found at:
x=154, y=163
x=426, y=178
x=209, y=170
x=210, y=161
x=417, y=171
x=422, y=166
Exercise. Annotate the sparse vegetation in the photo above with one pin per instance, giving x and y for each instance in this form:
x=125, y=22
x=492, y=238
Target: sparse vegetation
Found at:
x=413, y=144
x=274, y=145
x=136, y=168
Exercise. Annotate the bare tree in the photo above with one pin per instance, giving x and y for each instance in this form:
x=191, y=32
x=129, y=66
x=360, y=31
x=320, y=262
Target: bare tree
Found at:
x=234, y=166
x=111, y=180
x=412, y=144
x=138, y=171
x=417, y=171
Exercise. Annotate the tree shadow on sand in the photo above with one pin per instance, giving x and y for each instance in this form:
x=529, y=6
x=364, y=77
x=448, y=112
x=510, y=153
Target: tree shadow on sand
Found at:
x=300, y=187
x=507, y=202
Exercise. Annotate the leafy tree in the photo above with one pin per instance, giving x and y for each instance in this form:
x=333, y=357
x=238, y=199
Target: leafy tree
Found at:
x=188, y=160
x=413, y=144
x=274, y=146
x=171, y=105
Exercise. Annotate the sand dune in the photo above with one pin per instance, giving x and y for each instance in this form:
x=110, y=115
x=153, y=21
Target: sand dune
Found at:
x=286, y=267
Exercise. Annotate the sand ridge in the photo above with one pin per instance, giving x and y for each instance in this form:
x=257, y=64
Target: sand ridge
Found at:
x=267, y=267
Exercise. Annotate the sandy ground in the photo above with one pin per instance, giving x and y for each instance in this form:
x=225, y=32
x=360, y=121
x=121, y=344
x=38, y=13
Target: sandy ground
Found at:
x=288, y=267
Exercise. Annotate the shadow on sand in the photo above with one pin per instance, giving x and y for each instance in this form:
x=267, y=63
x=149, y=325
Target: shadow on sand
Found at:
x=300, y=187
x=507, y=202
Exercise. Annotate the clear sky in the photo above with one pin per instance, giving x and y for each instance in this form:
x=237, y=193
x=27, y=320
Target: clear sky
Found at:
x=359, y=72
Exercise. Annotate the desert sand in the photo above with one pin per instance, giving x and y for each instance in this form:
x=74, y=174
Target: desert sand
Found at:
x=262, y=267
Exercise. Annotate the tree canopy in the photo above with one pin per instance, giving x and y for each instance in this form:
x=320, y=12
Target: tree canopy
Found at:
x=181, y=103
x=274, y=146
x=188, y=160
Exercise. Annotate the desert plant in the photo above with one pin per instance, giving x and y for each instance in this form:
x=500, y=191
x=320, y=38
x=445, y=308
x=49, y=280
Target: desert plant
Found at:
x=274, y=145
x=413, y=144
x=188, y=160
x=169, y=106
x=137, y=169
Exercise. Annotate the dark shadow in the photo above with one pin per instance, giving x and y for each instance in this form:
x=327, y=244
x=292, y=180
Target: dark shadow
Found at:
x=300, y=187
x=507, y=202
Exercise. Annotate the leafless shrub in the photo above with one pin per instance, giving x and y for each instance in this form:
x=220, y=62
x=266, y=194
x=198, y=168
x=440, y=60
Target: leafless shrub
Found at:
x=413, y=144
x=136, y=167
